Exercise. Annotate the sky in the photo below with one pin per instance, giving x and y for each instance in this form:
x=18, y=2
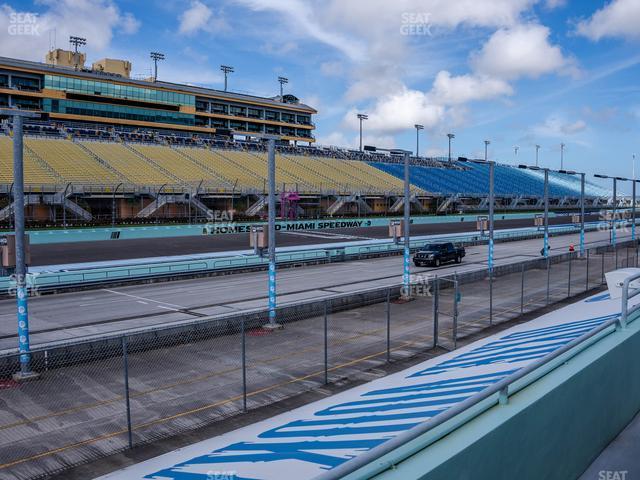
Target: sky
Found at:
x=514, y=72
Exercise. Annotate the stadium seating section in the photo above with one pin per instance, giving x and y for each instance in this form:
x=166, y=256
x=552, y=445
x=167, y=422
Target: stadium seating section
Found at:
x=50, y=160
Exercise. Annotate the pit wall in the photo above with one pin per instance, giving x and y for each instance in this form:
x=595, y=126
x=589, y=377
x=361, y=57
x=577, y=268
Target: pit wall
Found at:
x=222, y=226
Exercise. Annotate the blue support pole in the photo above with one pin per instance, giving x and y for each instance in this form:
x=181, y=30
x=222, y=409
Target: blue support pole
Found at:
x=491, y=211
x=546, y=212
x=406, y=276
x=633, y=211
x=21, y=269
x=582, y=175
x=613, y=224
x=272, y=231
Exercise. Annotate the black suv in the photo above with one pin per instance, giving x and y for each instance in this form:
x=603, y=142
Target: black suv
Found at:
x=438, y=253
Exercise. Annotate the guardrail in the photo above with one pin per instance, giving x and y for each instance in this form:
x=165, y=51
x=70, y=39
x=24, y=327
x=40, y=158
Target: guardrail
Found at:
x=626, y=295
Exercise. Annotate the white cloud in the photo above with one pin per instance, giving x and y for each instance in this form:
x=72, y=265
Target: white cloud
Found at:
x=279, y=48
x=520, y=51
x=556, y=126
x=575, y=127
x=339, y=139
x=396, y=112
x=199, y=17
x=619, y=18
x=456, y=90
x=332, y=69
x=551, y=4
x=96, y=20
x=129, y=24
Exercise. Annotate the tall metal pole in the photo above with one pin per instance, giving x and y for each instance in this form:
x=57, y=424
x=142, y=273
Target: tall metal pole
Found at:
x=407, y=215
x=546, y=212
x=615, y=200
x=633, y=210
x=418, y=128
x=562, y=156
x=360, y=133
x=272, y=231
x=491, y=211
x=582, y=175
x=21, y=270
x=537, y=150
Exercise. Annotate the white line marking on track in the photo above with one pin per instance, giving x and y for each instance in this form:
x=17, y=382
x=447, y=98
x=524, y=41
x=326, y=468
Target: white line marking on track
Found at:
x=143, y=298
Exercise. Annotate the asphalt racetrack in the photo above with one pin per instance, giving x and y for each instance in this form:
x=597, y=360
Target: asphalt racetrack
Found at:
x=77, y=252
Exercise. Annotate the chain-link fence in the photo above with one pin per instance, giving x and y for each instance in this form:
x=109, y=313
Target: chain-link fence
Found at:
x=98, y=397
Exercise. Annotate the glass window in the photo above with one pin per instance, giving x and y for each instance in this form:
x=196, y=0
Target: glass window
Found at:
x=116, y=90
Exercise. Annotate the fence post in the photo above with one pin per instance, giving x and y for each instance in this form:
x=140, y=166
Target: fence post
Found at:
x=522, y=291
x=569, y=283
x=125, y=359
x=586, y=287
x=602, y=277
x=244, y=365
x=388, y=324
x=548, y=277
x=455, y=311
x=490, y=296
x=436, y=293
x=326, y=345
x=627, y=250
x=615, y=248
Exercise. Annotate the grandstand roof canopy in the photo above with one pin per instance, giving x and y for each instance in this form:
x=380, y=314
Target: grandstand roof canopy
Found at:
x=39, y=67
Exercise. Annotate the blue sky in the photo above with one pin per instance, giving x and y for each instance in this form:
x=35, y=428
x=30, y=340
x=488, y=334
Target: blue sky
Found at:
x=516, y=72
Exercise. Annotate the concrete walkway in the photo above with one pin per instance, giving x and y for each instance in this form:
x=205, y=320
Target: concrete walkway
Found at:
x=621, y=459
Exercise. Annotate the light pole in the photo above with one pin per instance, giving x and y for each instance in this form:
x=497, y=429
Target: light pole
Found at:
x=272, y=231
x=282, y=81
x=76, y=42
x=271, y=228
x=418, y=128
x=537, y=150
x=515, y=149
x=545, y=247
x=582, y=184
x=562, y=145
x=492, y=202
x=633, y=208
x=406, y=271
x=155, y=56
x=226, y=69
x=450, y=136
x=486, y=147
x=615, y=201
x=21, y=269
x=361, y=117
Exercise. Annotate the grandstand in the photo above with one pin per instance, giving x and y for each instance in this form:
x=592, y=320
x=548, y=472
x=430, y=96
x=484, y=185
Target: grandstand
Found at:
x=114, y=144
x=148, y=163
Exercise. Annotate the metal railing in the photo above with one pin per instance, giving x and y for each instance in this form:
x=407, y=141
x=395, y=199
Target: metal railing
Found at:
x=374, y=461
x=628, y=294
